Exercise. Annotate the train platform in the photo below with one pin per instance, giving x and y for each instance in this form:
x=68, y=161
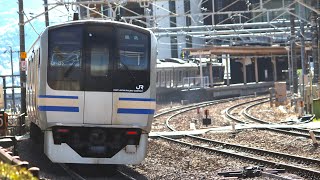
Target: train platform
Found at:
x=193, y=94
x=178, y=134
x=239, y=89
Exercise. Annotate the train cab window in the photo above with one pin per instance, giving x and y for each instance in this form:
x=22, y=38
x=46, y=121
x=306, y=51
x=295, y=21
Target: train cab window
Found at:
x=99, y=52
x=99, y=61
x=64, y=58
x=98, y=57
x=133, y=62
x=132, y=49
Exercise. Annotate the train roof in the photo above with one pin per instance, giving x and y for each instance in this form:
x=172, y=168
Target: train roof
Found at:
x=98, y=21
x=176, y=62
x=161, y=63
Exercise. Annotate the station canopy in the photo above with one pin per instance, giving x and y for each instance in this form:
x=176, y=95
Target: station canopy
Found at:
x=242, y=50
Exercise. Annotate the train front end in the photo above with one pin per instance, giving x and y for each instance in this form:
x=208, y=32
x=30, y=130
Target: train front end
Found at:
x=98, y=99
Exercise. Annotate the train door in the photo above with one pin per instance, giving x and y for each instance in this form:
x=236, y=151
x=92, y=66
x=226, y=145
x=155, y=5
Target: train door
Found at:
x=99, y=48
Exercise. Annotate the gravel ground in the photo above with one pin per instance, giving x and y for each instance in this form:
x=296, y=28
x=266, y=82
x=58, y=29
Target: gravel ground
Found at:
x=270, y=141
x=216, y=113
x=170, y=161
x=218, y=118
x=253, y=138
x=274, y=114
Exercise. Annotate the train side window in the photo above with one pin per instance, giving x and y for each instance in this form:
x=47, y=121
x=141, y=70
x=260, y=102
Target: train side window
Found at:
x=180, y=76
x=162, y=77
x=38, y=57
x=157, y=77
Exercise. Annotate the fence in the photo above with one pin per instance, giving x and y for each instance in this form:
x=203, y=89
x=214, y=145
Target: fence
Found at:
x=195, y=82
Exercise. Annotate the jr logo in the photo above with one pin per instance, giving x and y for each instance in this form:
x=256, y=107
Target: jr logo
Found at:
x=139, y=87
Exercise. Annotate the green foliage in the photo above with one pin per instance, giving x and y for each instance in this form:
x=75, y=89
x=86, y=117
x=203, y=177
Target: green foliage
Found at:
x=299, y=72
x=316, y=120
x=8, y=172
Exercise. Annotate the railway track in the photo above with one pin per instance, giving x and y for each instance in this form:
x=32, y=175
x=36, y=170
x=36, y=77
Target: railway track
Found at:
x=290, y=131
x=301, y=170
x=70, y=172
x=306, y=167
x=230, y=115
x=114, y=172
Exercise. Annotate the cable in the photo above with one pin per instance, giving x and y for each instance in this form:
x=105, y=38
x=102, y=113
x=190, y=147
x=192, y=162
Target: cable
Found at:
x=30, y=23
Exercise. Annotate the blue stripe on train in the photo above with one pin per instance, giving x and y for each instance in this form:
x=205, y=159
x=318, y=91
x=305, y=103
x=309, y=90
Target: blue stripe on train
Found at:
x=59, y=108
x=135, y=111
x=60, y=97
x=136, y=99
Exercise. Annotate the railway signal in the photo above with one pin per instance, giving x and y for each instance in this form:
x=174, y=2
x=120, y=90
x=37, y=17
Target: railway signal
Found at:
x=3, y=123
x=206, y=121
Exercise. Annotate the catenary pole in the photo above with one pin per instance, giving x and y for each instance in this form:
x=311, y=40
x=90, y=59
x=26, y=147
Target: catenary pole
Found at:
x=314, y=32
x=13, y=105
x=293, y=53
x=46, y=15
x=22, y=60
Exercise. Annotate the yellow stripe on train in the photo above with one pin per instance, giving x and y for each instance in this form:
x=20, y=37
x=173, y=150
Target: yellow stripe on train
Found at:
x=137, y=104
x=58, y=102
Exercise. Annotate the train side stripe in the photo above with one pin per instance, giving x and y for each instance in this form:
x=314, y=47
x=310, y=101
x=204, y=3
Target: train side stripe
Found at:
x=136, y=99
x=135, y=111
x=59, y=108
x=137, y=104
x=57, y=102
x=61, y=97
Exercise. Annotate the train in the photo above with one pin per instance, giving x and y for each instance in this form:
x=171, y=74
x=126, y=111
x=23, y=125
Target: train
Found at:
x=176, y=73
x=91, y=91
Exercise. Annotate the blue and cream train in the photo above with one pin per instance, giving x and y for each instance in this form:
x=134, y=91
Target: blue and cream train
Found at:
x=91, y=91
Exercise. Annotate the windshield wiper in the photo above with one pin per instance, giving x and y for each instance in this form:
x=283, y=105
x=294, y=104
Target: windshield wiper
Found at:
x=66, y=74
x=127, y=70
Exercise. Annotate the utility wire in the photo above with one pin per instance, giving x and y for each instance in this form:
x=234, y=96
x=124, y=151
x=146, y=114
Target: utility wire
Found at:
x=30, y=23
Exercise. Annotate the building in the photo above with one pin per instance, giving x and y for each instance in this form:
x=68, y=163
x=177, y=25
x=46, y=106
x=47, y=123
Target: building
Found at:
x=180, y=24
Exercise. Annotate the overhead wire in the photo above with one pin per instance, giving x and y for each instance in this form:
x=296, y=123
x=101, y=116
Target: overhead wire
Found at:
x=30, y=23
x=176, y=14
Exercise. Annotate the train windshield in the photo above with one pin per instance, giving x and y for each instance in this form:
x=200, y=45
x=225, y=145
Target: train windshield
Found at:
x=96, y=57
x=133, y=64
x=65, y=58
x=133, y=50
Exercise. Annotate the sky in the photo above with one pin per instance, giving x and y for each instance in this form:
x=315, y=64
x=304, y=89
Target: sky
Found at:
x=9, y=29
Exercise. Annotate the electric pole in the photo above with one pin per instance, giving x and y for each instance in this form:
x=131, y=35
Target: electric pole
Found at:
x=293, y=52
x=314, y=31
x=22, y=60
x=46, y=15
x=13, y=105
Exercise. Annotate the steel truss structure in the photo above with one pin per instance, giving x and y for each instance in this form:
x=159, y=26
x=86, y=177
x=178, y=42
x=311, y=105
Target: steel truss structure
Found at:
x=261, y=17
x=180, y=24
